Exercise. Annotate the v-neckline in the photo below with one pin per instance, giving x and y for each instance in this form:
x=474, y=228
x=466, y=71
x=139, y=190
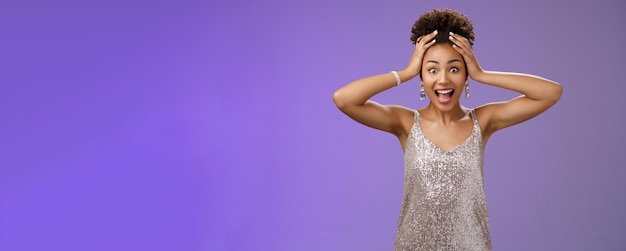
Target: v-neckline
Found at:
x=419, y=127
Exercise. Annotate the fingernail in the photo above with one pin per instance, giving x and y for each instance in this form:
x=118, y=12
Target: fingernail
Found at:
x=435, y=31
x=451, y=33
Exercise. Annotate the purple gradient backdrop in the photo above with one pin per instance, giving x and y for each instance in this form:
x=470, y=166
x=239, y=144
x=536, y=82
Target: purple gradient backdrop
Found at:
x=207, y=125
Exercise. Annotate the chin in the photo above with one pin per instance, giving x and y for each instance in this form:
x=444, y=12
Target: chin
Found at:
x=444, y=107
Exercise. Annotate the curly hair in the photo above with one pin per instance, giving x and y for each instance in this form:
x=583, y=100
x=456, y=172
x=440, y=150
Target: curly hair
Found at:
x=444, y=21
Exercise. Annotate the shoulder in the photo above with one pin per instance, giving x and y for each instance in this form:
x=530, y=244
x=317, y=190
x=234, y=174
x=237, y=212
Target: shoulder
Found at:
x=403, y=113
x=405, y=116
x=402, y=110
x=484, y=114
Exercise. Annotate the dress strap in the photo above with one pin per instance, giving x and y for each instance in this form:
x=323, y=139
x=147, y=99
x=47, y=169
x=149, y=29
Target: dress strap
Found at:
x=474, y=118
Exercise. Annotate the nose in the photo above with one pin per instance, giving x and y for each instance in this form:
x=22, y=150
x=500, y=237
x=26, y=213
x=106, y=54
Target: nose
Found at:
x=444, y=78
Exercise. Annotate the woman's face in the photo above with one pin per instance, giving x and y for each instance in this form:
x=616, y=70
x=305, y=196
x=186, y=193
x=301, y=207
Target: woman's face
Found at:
x=443, y=74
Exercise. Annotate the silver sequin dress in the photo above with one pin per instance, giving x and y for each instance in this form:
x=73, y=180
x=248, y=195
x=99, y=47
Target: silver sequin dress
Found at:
x=443, y=206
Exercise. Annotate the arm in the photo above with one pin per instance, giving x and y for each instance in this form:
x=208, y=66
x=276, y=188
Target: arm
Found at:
x=353, y=99
x=538, y=94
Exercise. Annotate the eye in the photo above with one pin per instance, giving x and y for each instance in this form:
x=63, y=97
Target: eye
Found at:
x=454, y=69
x=432, y=70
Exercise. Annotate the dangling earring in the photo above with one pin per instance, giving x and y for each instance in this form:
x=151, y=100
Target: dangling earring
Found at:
x=467, y=89
x=422, y=92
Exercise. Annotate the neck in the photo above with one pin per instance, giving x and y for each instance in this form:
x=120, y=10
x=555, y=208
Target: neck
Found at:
x=445, y=117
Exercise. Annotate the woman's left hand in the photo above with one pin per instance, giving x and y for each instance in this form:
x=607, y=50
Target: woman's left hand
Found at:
x=463, y=46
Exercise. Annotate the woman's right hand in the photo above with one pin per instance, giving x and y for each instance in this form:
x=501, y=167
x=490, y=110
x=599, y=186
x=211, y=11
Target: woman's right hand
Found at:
x=421, y=45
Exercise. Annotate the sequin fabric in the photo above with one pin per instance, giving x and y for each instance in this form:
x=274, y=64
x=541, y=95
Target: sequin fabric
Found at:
x=443, y=205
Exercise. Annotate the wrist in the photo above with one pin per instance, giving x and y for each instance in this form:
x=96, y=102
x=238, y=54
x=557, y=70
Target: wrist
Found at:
x=396, y=75
x=407, y=74
x=479, y=76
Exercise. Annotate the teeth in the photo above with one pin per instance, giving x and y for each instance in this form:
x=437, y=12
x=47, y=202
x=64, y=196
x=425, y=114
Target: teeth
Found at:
x=444, y=91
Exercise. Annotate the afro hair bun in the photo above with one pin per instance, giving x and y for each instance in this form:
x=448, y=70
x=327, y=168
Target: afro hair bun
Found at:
x=444, y=21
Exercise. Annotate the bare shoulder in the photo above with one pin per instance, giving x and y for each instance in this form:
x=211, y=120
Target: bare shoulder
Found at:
x=484, y=113
x=406, y=118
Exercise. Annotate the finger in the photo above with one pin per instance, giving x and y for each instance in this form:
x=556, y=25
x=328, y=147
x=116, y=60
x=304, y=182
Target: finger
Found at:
x=467, y=55
x=458, y=39
x=425, y=45
x=460, y=51
x=427, y=38
x=430, y=36
x=460, y=46
x=430, y=42
x=428, y=45
x=464, y=49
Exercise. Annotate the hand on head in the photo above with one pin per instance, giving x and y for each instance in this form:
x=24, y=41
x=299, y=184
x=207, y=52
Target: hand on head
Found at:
x=463, y=46
x=421, y=46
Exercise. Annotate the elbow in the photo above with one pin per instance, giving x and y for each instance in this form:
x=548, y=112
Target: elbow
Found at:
x=557, y=91
x=339, y=99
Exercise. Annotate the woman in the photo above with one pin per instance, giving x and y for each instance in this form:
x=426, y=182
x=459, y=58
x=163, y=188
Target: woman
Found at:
x=443, y=205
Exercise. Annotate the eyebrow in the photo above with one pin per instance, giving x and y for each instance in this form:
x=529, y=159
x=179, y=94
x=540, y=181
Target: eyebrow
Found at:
x=449, y=62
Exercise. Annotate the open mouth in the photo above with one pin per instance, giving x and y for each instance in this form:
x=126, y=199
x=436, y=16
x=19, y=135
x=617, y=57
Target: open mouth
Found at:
x=444, y=95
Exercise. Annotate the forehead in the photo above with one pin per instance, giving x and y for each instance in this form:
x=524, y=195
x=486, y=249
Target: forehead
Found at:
x=442, y=53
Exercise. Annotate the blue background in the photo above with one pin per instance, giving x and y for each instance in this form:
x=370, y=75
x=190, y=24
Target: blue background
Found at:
x=209, y=125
